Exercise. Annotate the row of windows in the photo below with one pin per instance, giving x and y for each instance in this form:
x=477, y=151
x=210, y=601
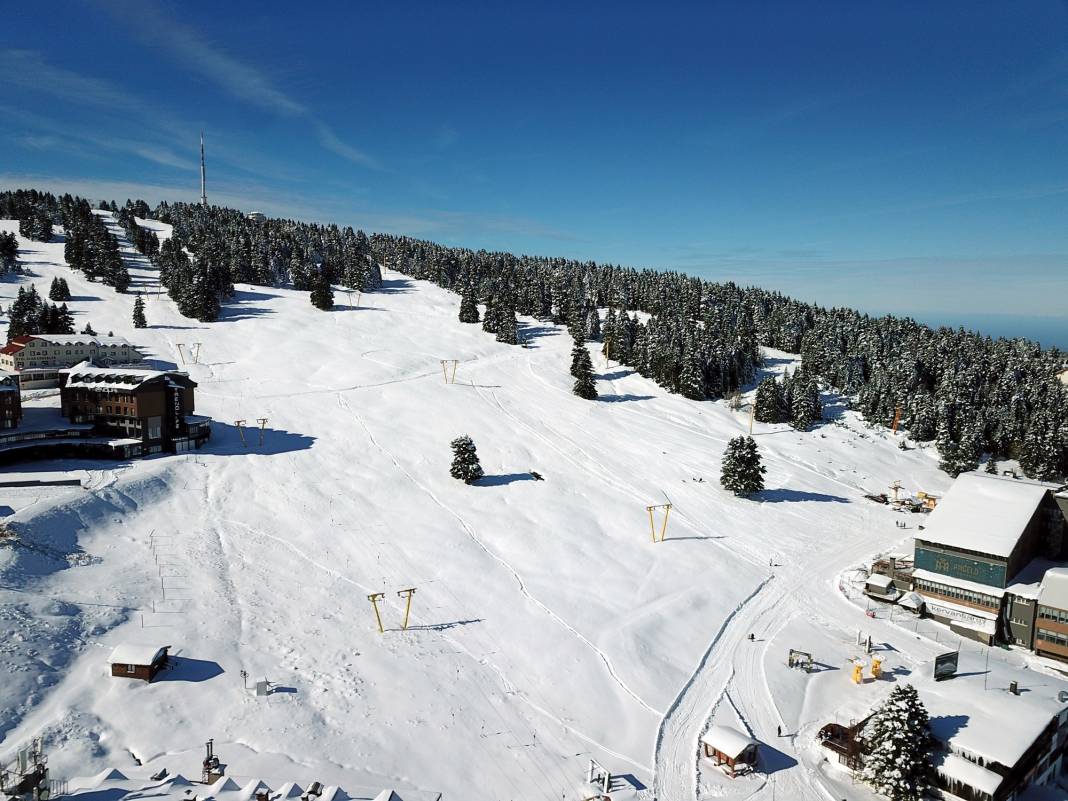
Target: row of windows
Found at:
x=958, y=594
x=1053, y=637
x=1056, y=615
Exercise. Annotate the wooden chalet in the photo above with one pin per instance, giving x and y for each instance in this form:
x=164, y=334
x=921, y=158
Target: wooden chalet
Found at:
x=138, y=661
x=730, y=749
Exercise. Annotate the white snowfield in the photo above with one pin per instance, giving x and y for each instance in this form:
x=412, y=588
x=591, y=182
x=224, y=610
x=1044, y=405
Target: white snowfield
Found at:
x=546, y=628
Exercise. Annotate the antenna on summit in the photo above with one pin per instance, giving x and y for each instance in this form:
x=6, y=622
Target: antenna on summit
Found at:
x=203, y=185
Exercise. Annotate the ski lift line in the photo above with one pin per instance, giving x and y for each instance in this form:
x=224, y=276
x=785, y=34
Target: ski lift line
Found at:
x=541, y=707
x=742, y=552
x=508, y=567
x=522, y=588
x=495, y=647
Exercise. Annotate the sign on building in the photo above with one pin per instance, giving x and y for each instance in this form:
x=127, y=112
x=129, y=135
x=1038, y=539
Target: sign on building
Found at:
x=947, y=564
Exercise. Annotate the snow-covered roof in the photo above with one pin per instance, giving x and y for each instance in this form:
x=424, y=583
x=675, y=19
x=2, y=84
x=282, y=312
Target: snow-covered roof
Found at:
x=1054, y=590
x=131, y=654
x=388, y=795
x=960, y=769
x=911, y=600
x=88, y=374
x=953, y=581
x=974, y=711
x=727, y=741
x=1028, y=582
x=879, y=580
x=8, y=381
x=984, y=513
x=82, y=339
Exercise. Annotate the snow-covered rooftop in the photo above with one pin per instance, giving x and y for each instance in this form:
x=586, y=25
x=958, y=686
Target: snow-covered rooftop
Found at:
x=984, y=513
x=726, y=740
x=88, y=374
x=960, y=769
x=133, y=654
x=975, y=712
x=135, y=783
x=82, y=339
x=1054, y=590
x=879, y=580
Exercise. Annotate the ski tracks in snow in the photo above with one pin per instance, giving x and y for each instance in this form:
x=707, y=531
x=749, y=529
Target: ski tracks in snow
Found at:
x=469, y=530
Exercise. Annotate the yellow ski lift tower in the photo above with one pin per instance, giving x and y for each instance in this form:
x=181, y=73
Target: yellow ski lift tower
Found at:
x=652, y=524
x=858, y=672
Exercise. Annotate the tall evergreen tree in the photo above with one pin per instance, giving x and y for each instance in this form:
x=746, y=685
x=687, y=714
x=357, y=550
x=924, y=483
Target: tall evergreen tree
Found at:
x=322, y=295
x=468, y=306
x=507, y=324
x=742, y=470
x=582, y=369
x=465, y=465
x=898, y=765
x=769, y=401
x=139, y=320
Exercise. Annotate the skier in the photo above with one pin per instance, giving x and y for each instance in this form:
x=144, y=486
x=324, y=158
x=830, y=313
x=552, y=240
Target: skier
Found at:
x=751, y=637
x=778, y=731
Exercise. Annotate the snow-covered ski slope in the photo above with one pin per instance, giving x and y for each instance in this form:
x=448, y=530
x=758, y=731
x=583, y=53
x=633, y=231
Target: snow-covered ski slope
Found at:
x=546, y=625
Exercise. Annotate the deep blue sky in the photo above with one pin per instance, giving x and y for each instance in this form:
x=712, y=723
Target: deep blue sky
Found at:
x=902, y=157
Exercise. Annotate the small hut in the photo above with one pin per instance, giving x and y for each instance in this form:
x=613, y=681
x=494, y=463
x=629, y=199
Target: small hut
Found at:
x=882, y=587
x=730, y=749
x=138, y=661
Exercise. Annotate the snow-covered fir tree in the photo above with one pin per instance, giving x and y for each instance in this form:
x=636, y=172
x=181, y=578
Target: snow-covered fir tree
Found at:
x=898, y=764
x=465, y=466
x=507, y=324
x=322, y=294
x=804, y=402
x=742, y=471
x=769, y=402
x=582, y=368
x=139, y=320
x=468, y=306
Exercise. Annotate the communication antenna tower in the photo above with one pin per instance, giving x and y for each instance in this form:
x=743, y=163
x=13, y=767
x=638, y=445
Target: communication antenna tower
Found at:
x=203, y=181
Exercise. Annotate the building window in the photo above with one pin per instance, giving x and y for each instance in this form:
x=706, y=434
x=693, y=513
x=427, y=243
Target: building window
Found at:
x=131, y=669
x=1052, y=637
x=1052, y=614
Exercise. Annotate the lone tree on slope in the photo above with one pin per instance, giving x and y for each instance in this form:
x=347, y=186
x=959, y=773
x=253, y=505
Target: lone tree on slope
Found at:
x=899, y=763
x=322, y=294
x=743, y=473
x=465, y=466
x=139, y=320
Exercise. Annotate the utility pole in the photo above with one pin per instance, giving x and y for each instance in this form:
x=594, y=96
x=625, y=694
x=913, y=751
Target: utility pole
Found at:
x=374, y=598
x=241, y=431
x=408, y=608
x=262, y=421
x=203, y=180
x=180, y=354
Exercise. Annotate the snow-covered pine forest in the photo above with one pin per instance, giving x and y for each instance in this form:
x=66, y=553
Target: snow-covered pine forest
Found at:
x=972, y=395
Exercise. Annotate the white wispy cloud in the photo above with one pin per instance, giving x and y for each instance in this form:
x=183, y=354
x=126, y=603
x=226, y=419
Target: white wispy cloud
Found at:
x=186, y=45
x=49, y=134
x=26, y=69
